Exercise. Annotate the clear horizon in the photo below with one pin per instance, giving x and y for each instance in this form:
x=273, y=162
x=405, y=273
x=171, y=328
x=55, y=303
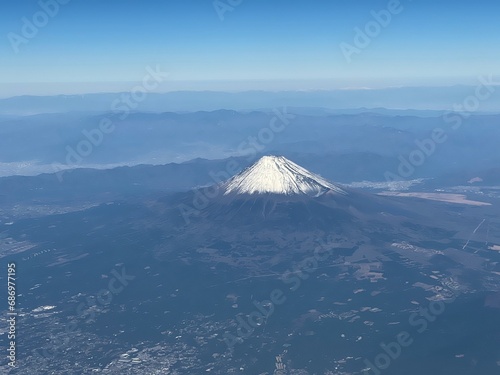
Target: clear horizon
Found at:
x=13, y=89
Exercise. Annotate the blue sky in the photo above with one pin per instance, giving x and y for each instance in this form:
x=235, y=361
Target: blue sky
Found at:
x=268, y=44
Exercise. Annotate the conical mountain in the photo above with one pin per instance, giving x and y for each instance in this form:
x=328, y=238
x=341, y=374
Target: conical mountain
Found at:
x=278, y=175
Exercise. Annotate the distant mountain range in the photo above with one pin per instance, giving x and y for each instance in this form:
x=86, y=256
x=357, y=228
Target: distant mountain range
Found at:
x=416, y=98
x=363, y=146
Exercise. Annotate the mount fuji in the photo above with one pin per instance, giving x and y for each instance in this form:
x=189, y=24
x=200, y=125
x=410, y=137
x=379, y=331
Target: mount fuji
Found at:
x=278, y=175
x=276, y=189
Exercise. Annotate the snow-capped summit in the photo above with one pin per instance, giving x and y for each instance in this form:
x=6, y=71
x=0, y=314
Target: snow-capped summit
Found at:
x=278, y=175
